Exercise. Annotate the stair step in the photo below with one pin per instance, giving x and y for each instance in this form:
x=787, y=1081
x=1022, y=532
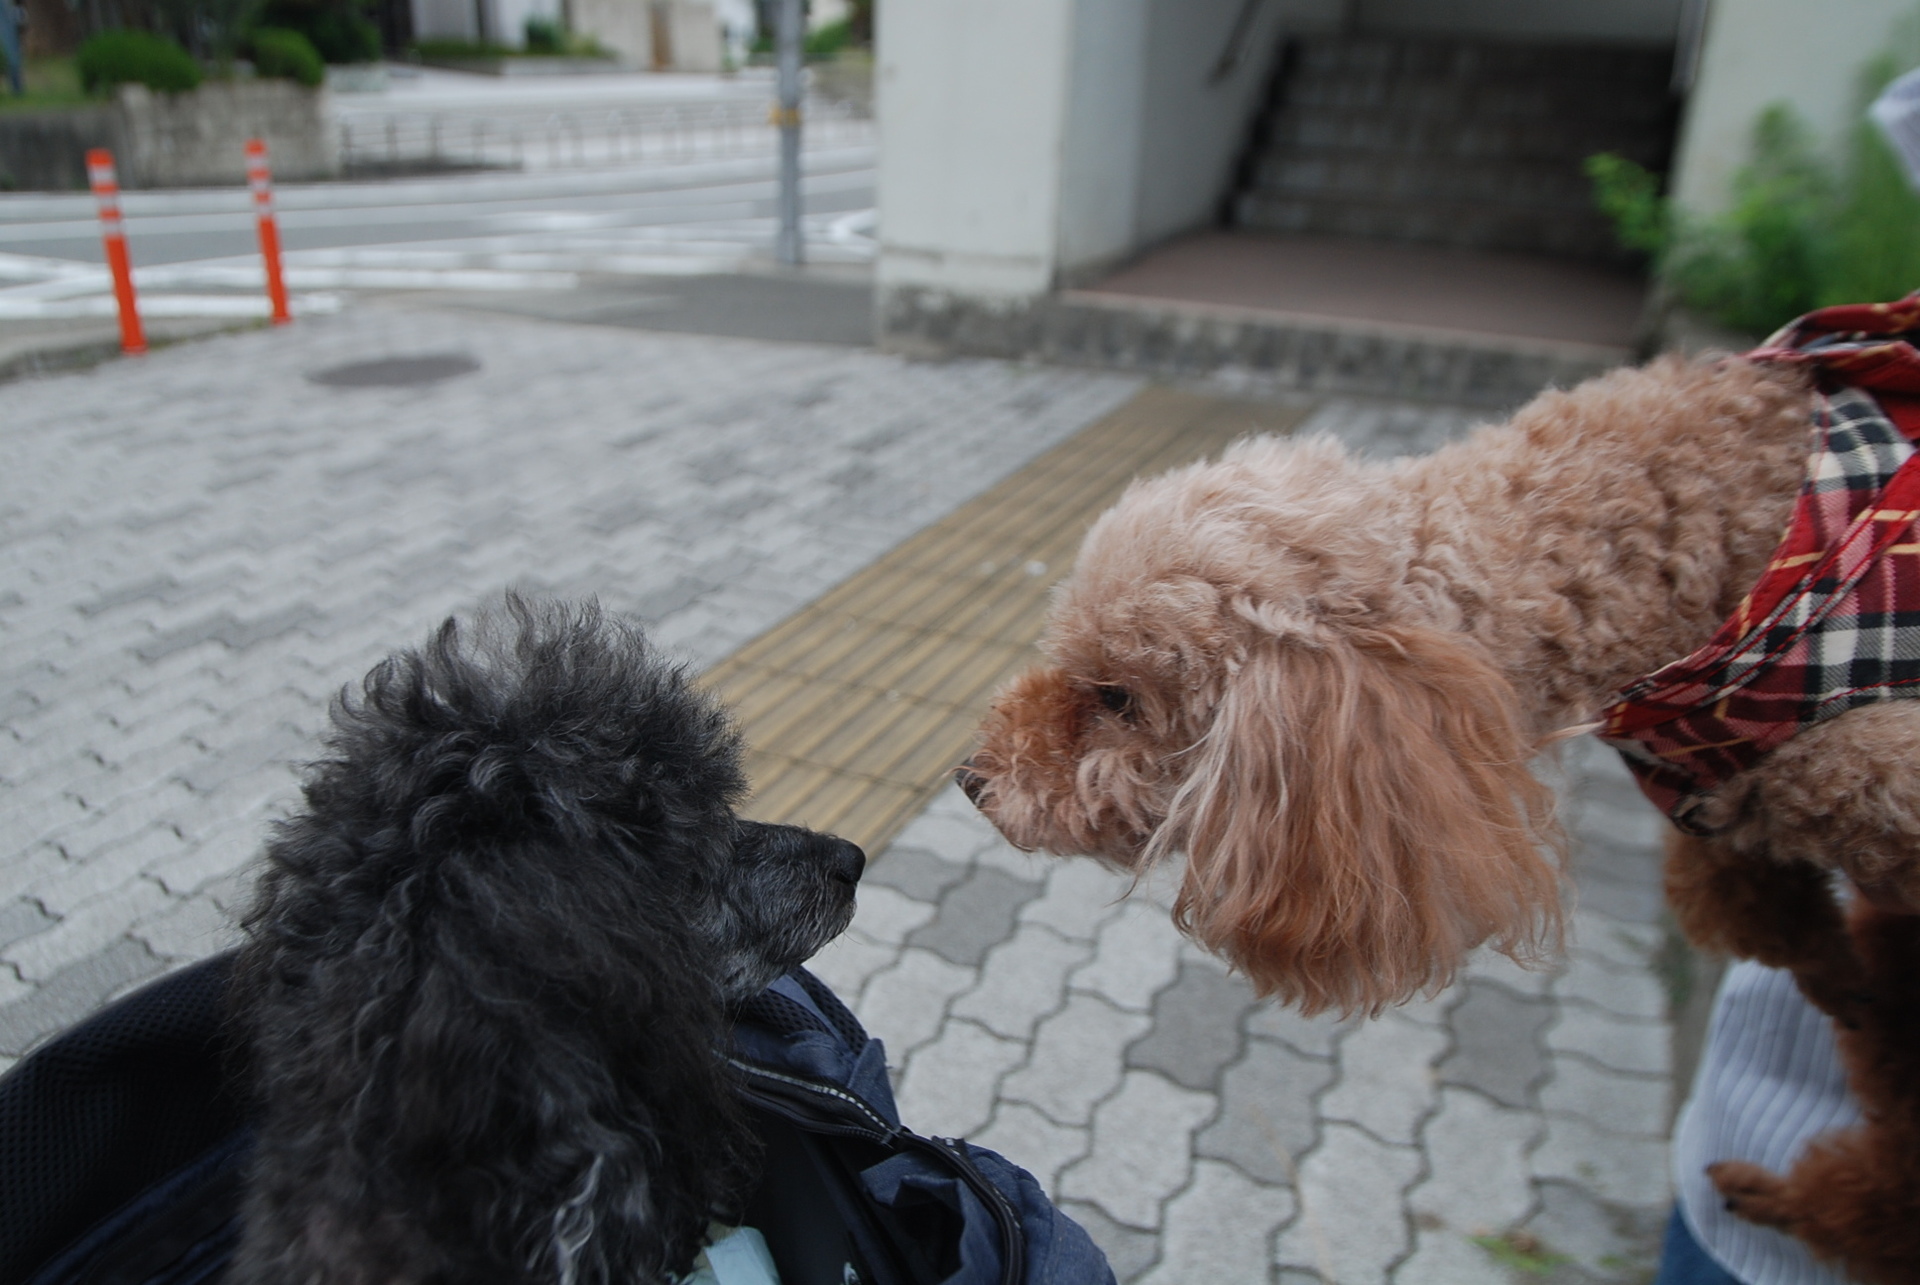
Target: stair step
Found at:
x=1469, y=225
x=1599, y=104
x=1557, y=185
x=1179, y=341
x=1465, y=143
x=1394, y=134
x=1350, y=56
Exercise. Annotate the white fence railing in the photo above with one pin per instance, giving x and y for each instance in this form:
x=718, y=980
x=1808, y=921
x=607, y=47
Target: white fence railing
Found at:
x=579, y=138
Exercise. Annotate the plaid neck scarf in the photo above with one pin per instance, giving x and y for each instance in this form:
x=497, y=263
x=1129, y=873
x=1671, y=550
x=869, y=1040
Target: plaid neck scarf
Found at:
x=1834, y=622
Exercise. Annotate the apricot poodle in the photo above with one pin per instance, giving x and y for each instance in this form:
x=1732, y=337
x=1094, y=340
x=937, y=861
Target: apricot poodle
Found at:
x=1322, y=680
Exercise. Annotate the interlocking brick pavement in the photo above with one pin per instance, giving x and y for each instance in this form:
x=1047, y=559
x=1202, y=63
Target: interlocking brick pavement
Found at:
x=199, y=548
x=1194, y=1128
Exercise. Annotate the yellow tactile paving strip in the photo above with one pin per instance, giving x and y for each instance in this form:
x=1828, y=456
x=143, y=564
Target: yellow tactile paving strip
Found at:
x=858, y=705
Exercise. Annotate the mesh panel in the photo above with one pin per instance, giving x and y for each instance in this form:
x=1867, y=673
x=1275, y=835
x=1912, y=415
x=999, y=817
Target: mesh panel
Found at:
x=854, y=1034
x=110, y=1107
x=778, y=1013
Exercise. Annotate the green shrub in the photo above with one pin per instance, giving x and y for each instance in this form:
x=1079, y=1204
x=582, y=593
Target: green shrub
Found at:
x=1801, y=233
x=829, y=39
x=338, y=29
x=1630, y=195
x=1768, y=258
x=545, y=36
x=51, y=83
x=286, y=55
x=135, y=57
x=1876, y=220
x=824, y=41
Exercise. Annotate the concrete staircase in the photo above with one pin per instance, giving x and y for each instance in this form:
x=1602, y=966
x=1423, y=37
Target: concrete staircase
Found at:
x=1472, y=144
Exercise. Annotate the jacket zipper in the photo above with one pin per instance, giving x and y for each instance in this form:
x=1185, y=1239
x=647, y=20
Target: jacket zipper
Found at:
x=1005, y=1217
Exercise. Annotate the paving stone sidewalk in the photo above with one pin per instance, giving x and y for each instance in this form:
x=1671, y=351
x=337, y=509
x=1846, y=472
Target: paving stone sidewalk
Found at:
x=200, y=548
x=1514, y=1126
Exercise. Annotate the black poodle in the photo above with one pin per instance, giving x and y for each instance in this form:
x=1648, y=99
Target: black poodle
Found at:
x=486, y=981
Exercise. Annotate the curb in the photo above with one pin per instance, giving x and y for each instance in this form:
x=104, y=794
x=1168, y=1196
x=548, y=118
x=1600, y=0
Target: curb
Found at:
x=83, y=351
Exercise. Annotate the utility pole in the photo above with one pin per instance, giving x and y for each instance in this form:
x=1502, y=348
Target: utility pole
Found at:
x=787, y=246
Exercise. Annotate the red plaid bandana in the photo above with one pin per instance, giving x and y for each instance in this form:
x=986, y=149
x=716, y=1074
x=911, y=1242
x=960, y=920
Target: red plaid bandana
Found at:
x=1834, y=622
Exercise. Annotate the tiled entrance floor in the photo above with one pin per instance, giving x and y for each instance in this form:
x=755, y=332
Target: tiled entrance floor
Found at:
x=1388, y=285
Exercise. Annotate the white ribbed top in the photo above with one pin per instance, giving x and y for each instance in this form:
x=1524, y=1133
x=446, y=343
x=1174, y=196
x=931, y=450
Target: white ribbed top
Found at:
x=1769, y=1081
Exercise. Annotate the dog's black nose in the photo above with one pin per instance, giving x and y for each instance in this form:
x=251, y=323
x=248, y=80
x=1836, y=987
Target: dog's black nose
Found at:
x=846, y=862
x=970, y=781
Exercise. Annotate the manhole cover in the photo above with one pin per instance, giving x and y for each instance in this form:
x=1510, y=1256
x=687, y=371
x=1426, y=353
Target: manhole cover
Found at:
x=396, y=372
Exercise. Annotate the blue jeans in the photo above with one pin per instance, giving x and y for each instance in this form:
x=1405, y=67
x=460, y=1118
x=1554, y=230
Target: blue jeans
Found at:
x=1683, y=1262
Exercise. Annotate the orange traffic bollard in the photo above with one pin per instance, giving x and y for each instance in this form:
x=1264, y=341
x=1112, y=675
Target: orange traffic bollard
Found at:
x=262, y=184
x=106, y=190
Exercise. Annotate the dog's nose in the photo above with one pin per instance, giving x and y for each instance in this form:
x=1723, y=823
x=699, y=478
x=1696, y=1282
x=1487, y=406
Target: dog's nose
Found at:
x=846, y=862
x=970, y=781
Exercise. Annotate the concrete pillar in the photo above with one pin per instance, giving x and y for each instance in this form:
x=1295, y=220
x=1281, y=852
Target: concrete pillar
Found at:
x=971, y=98
x=1027, y=144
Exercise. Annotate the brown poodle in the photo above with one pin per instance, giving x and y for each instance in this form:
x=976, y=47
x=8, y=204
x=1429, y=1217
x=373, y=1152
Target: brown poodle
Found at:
x=1322, y=680
x=1854, y=1196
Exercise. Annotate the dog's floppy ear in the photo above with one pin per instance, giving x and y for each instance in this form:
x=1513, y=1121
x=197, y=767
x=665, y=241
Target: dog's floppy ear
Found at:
x=1360, y=816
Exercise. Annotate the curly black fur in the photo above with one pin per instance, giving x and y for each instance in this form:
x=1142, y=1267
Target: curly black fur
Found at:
x=486, y=978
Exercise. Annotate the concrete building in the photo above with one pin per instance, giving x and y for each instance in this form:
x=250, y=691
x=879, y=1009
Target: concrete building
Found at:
x=665, y=35
x=1058, y=175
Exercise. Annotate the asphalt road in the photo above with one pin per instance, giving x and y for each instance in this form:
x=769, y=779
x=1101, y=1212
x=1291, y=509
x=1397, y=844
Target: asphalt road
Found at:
x=553, y=206
x=675, y=234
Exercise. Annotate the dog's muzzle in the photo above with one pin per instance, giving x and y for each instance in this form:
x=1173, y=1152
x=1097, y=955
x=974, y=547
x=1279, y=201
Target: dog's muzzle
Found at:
x=970, y=781
x=846, y=862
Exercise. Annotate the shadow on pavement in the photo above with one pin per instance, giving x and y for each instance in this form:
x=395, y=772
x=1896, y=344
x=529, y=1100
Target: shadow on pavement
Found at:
x=780, y=309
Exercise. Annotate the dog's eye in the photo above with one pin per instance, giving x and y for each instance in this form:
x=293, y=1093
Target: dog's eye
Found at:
x=1116, y=699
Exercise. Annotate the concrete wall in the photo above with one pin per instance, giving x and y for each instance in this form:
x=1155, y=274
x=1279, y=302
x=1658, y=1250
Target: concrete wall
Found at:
x=1199, y=98
x=1023, y=145
x=195, y=139
x=199, y=138
x=695, y=36
x=1757, y=52
x=446, y=19
x=47, y=151
x=1159, y=94
x=1102, y=133
x=623, y=26
x=1649, y=21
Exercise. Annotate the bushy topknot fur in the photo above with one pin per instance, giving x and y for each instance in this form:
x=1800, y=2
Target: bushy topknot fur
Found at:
x=487, y=971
